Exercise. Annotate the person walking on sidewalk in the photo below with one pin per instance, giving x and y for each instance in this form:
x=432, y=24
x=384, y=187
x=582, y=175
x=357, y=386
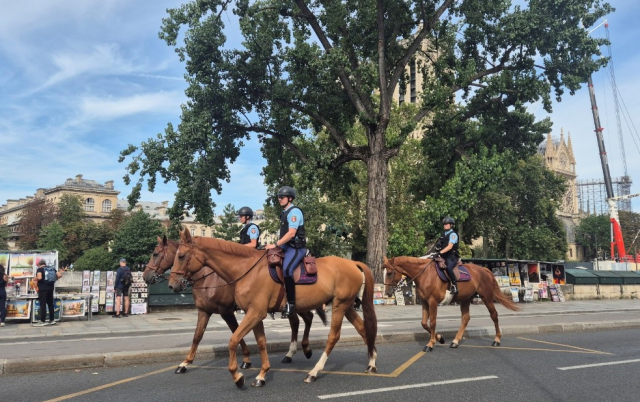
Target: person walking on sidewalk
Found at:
x=46, y=277
x=123, y=283
x=3, y=295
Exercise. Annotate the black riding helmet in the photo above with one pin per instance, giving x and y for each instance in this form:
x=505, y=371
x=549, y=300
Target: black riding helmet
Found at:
x=287, y=192
x=448, y=220
x=245, y=211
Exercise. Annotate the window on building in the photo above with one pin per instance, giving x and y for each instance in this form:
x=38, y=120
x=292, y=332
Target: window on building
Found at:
x=89, y=205
x=402, y=90
x=203, y=233
x=412, y=75
x=193, y=231
x=106, y=206
x=571, y=253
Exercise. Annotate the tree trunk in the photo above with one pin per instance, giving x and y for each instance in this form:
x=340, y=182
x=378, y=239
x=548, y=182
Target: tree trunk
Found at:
x=378, y=175
x=485, y=245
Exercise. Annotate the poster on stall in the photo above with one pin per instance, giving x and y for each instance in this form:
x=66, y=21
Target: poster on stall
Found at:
x=95, y=291
x=110, y=292
x=18, y=309
x=514, y=295
x=86, y=281
x=4, y=260
x=514, y=275
x=57, y=310
x=73, y=308
x=528, y=295
x=21, y=265
x=139, y=294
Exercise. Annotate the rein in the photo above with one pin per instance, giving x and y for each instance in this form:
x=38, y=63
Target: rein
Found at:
x=157, y=278
x=411, y=279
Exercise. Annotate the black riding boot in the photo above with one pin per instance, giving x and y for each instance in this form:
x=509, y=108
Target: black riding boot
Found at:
x=452, y=278
x=290, y=289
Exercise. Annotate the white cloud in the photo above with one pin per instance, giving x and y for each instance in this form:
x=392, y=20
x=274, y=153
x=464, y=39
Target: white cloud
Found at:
x=93, y=108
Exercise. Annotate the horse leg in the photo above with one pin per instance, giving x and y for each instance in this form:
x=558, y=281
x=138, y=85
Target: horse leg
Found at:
x=307, y=317
x=433, y=313
x=425, y=325
x=464, y=310
x=261, y=340
x=358, y=324
x=494, y=316
x=203, y=320
x=337, y=314
x=251, y=319
x=294, y=323
x=232, y=322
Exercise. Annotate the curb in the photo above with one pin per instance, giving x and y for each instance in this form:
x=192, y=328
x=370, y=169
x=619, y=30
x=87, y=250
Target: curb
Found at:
x=176, y=355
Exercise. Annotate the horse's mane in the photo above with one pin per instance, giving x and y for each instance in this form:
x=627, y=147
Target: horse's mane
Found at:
x=412, y=260
x=227, y=246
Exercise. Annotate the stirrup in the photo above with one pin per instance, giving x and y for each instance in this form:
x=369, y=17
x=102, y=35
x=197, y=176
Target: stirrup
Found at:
x=454, y=289
x=288, y=310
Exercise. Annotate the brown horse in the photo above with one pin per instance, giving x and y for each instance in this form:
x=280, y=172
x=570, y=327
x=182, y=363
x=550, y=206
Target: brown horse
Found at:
x=211, y=296
x=432, y=291
x=339, y=281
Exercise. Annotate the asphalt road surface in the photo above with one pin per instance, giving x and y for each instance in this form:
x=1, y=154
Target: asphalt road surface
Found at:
x=579, y=366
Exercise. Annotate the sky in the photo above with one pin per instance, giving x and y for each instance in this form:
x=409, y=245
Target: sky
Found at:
x=81, y=80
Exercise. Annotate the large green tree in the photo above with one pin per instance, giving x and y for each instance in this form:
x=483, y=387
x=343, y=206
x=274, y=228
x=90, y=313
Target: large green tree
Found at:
x=136, y=238
x=52, y=238
x=5, y=235
x=329, y=64
x=594, y=232
x=96, y=259
x=70, y=210
x=228, y=229
x=35, y=215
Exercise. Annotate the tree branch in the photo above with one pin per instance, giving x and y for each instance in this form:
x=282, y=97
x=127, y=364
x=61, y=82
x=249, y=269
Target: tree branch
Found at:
x=277, y=135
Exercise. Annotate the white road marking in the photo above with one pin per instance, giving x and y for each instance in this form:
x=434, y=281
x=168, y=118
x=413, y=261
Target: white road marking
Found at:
x=599, y=364
x=107, y=338
x=387, y=389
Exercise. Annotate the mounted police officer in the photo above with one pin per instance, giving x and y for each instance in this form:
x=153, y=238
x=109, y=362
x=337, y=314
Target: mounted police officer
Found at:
x=250, y=233
x=292, y=241
x=448, y=247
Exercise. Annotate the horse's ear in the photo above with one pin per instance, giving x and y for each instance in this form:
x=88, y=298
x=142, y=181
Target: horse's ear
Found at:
x=159, y=240
x=185, y=236
x=164, y=240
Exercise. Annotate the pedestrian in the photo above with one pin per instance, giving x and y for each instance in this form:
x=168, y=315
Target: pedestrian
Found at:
x=448, y=244
x=3, y=295
x=292, y=241
x=46, y=277
x=250, y=233
x=123, y=283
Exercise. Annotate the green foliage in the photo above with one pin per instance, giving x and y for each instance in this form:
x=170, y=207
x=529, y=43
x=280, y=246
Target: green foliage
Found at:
x=70, y=210
x=326, y=66
x=34, y=216
x=96, y=259
x=136, y=238
x=229, y=228
x=81, y=236
x=594, y=232
x=5, y=235
x=52, y=238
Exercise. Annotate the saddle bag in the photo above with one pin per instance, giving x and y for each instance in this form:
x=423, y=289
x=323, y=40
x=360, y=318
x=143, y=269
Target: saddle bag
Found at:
x=310, y=265
x=275, y=256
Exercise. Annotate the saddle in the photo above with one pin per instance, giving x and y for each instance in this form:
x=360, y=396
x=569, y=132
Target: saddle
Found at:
x=460, y=271
x=306, y=273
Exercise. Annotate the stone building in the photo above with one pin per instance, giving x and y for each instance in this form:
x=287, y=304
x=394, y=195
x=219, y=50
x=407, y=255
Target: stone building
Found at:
x=559, y=158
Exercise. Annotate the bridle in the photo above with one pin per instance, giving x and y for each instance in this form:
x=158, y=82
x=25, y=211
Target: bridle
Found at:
x=394, y=287
x=157, y=278
x=186, y=281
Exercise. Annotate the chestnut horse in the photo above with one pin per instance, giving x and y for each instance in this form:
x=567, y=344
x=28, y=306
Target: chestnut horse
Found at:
x=339, y=282
x=211, y=296
x=432, y=291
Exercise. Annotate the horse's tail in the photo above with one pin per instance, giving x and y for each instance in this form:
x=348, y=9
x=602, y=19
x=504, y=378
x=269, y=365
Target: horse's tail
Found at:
x=368, y=311
x=323, y=316
x=500, y=297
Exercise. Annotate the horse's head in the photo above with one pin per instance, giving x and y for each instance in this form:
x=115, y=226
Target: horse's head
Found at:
x=160, y=261
x=189, y=259
x=391, y=276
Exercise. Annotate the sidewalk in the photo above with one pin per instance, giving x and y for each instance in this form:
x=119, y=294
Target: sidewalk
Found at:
x=167, y=336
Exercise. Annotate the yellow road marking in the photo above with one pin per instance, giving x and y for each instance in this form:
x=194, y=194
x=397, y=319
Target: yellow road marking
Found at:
x=566, y=346
x=406, y=365
x=113, y=384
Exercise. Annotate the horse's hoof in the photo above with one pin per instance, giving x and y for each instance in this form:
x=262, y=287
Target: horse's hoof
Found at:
x=245, y=365
x=427, y=349
x=453, y=345
x=308, y=353
x=258, y=383
x=310, y=378
x=181, y=370
x=495, y=343
x=240, y=381
x=441, y=340
x=371, y=369
x=287, y=359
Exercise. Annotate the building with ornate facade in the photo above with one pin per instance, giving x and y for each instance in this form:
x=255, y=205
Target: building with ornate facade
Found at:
x=559, y=158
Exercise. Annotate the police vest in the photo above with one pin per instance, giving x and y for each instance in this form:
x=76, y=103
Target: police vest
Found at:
x=444, y=240
x=299, y=240
x=244, y=234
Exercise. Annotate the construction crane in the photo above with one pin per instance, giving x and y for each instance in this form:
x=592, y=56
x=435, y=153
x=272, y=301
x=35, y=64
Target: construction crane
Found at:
x=617, y=243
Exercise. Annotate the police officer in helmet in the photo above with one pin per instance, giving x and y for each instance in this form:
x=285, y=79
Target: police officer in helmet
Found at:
x=250, y=233
x=292, y=241
x=449, y=250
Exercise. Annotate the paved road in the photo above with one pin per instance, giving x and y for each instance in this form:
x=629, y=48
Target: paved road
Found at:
x=594, y=366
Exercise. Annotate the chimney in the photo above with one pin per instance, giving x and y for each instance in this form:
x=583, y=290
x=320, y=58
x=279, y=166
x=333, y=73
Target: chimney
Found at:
x=109, y=185
x=79, y=179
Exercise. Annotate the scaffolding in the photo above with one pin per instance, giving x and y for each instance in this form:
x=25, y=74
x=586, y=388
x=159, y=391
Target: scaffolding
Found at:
x=592, y=195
